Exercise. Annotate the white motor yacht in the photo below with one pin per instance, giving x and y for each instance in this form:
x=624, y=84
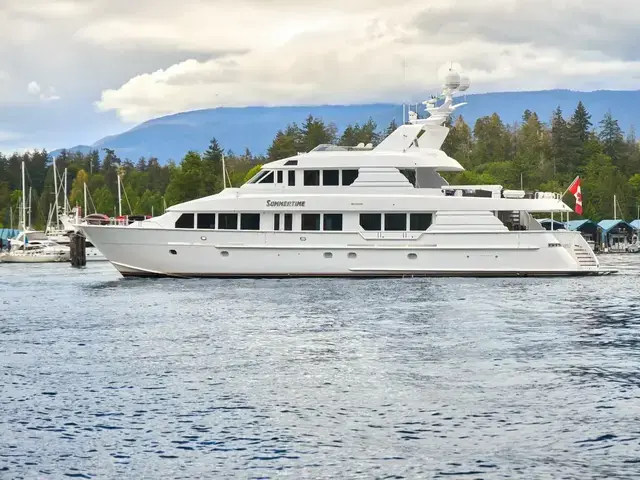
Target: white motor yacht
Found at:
x=366, y=211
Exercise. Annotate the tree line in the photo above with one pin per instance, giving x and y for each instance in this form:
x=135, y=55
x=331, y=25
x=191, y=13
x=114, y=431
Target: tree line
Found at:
x=531, y=153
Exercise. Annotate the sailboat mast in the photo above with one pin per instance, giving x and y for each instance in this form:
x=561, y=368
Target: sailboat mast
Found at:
x=224, y=174
x=84, y=191
x=24, y=200
x=66, y=200
x=119, y=196
x=615, y=212
x=55, y=188
x=29, y=205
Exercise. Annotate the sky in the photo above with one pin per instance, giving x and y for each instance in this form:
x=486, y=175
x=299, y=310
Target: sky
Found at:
x=74, y=71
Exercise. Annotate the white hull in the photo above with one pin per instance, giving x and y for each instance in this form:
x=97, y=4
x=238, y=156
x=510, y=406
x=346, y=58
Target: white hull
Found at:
x=202, y=253
x=94, y=255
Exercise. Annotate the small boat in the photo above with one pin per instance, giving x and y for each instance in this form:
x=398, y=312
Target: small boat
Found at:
x=32, y=246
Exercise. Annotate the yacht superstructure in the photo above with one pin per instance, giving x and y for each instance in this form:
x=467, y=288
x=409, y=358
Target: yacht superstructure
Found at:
x=355, y=212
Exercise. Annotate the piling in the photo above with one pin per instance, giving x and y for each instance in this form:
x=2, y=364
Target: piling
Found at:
x=78, y=249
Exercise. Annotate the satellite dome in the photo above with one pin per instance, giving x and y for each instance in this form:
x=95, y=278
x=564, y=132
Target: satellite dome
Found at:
x=452, y=80
x=465, y=83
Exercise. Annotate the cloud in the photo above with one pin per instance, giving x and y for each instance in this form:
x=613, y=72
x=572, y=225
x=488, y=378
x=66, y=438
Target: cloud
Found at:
x=152, y=57
x=6, y=136
x=47, y=95
x=354, y=56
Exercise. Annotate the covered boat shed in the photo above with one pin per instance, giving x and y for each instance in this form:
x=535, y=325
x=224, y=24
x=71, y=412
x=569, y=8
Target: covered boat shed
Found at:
x=6, y=233
x=616, y=235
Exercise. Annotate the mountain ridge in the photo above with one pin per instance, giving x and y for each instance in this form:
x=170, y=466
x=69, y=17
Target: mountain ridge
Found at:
x=236, y=128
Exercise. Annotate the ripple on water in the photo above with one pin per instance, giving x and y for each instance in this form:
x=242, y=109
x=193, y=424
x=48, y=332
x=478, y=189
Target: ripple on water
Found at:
x=413, y=378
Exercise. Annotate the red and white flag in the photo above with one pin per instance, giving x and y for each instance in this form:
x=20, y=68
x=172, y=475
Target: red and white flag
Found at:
x=574, y=188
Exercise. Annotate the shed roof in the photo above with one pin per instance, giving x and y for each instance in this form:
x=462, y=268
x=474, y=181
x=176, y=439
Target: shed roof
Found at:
x=607, y=225
x=635, y=224
x=578, y=224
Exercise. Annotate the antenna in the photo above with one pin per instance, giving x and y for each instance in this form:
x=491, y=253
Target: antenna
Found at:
x=404, y=87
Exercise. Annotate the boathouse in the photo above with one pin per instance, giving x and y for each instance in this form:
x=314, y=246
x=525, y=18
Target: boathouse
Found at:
x=6, y=233
x=616, y=235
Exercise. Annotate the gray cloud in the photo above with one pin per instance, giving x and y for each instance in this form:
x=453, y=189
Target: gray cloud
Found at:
x=142, y=58
x=571, y=27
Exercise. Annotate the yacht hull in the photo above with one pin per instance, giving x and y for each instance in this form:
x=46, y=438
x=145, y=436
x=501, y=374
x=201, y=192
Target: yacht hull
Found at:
x=150, y=252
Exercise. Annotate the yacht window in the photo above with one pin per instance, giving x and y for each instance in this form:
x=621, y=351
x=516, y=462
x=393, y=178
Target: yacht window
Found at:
x=249, y=221
x=419, y=222
x=288, y=221
x=280, y=176
x=185, y=221
x=395, y=222
x=268, y=178
x=332, y=221
x=256, y=178
x=276, y=221
x=312, y=178
x=331, y=177
x=228, y=221
x=310, y=221
x=349, y=176
x=371, y=221
x=292, y=178
x=291, y=162
x=207, y=221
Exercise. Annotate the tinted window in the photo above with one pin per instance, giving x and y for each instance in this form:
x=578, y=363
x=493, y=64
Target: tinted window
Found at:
x=349, y=176
x=228, y=221
x=395, y=221
x=311, y=178
x=250, y=221
x=292, y=177
x=288, y=221
x=280, y=176
x=185, y=221
x=371, y=221
x=276, y=221
x=332, y=221
x=291, y=162
x=207, y=220
x=258, y=176
x=310, y=221
x=331, y=177
x=410, y=175
x=268, y=178
x=419, y=221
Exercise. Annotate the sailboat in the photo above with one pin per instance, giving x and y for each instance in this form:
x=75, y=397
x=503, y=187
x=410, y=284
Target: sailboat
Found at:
x=33, y=246
x=68, y=219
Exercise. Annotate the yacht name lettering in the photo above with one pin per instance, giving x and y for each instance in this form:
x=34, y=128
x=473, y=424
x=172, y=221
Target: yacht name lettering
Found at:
x=285, y=203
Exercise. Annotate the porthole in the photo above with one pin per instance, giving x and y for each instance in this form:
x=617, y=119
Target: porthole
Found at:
x=328, y=255
x=412, y=256
x=303, y=239
x=173, y=252
x=203, y=238
x=224, y=253
x=352, y=255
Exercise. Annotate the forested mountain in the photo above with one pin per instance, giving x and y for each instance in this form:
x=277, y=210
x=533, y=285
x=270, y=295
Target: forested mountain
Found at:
x=545, y=156
x=169, y=137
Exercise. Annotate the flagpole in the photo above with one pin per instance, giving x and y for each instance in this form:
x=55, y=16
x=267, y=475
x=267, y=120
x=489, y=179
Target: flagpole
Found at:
x=570, y=185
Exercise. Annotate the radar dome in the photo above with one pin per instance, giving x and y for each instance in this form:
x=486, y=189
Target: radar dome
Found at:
x=465, y=83
x=452, y=80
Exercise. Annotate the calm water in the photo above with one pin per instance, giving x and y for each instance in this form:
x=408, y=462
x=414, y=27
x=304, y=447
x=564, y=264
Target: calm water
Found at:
x=419, y=378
